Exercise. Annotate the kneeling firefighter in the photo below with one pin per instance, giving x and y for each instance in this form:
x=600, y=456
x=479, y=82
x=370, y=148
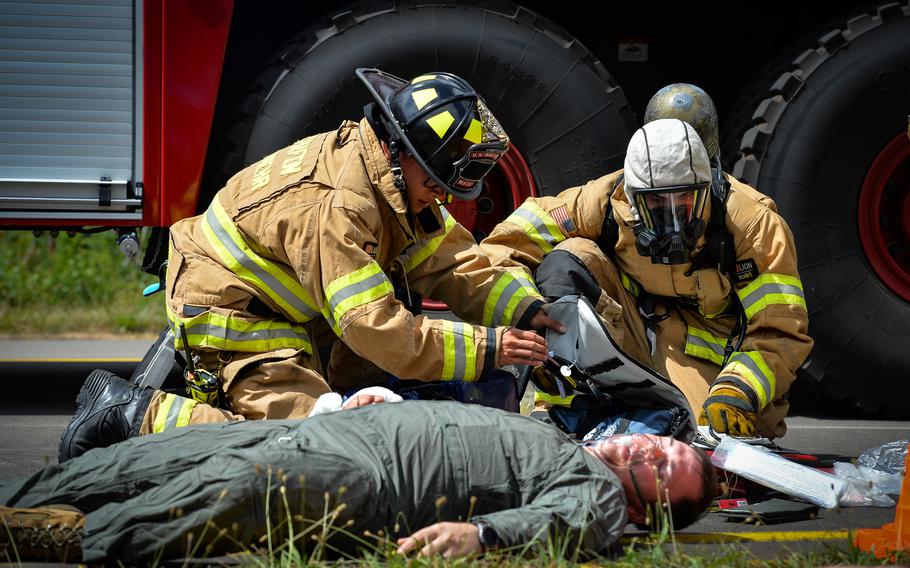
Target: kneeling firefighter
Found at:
x=285, y=288
x=693, y=272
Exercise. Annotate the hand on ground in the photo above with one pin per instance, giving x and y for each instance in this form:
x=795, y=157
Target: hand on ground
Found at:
x=451, y=540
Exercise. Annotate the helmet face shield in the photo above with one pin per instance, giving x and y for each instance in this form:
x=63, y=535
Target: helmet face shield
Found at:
x=479, y=158
x=671, y=210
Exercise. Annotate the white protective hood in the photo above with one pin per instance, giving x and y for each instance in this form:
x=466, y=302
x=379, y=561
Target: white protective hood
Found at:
x=665, y=153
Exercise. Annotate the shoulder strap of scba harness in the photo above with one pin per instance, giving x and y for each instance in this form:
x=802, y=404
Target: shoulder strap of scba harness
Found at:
x=719, y=252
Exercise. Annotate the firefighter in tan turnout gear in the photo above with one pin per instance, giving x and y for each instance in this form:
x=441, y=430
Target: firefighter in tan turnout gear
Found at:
x=727, y=326
x=307, y=246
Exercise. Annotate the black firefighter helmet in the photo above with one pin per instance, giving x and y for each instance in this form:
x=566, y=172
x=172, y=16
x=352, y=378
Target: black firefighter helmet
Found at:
x=440, y=121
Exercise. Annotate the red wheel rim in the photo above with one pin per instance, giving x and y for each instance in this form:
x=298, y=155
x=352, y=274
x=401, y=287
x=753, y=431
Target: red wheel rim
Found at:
x=884, y=216
x=505, y=188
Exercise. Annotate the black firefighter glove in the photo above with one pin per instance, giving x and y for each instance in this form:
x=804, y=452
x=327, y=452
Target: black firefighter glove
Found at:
x=728, y=410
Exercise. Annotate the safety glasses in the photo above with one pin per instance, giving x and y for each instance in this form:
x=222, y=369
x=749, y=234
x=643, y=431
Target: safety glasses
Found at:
x=652, y=454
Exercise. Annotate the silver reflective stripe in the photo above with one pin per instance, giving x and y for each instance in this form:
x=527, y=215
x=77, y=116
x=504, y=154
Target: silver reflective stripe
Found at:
x=245, y=261
x=714, y=347
x=352, y=290
x=771, y=288
x=234, y=335
x=759, y=375
x=503, y=301
x=174, y=412
x=458, y=373
x=539, y=224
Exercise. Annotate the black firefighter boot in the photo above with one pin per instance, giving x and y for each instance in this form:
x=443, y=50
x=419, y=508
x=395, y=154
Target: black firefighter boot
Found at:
x=108, y=410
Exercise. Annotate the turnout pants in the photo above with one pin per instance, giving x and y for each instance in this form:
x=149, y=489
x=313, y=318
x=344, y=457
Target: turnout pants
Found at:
x=275, y=385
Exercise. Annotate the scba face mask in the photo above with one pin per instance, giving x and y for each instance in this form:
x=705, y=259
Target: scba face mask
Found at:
x=667, y=178
x=670, y=224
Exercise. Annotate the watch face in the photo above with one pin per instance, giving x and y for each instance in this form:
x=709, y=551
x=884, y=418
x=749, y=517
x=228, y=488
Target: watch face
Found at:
x=487, y=536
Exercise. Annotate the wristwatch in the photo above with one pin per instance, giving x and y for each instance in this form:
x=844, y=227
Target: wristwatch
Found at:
x=489, y=540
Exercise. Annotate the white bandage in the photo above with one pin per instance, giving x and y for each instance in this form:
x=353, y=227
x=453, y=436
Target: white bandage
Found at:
x=332, y=401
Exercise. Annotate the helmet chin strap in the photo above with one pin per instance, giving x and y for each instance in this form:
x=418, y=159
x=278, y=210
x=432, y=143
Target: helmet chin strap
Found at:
x=398, y=179
x=426, y=219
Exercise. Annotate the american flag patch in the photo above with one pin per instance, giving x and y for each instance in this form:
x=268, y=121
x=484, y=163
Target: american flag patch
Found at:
x=561, y=216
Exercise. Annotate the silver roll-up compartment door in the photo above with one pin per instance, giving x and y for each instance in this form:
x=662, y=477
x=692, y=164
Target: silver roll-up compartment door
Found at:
x=69, y=102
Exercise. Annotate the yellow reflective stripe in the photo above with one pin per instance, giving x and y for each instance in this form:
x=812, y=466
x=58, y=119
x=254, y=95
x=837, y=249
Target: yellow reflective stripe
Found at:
x=701, y=344
x=256, y=271
x=770, y=289
x=538, y=225
x=174, y=412
x=629, y=284
x=751, y=367
x=459, y=352
x=422, y=250
x=553, y=398
x=163, y=410
x=357, y=288
x=224, y=333
x=186, y=410
x=511, y=288
x=422, y=78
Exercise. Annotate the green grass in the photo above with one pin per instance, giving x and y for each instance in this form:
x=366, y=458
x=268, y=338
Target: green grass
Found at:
x=292, y=541
x=73, y=286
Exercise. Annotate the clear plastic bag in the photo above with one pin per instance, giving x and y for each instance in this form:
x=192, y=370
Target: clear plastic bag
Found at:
x=889, y=457
x=865, y=487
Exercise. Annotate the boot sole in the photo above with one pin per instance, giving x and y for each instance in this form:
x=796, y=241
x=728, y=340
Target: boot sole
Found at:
x=96, y=382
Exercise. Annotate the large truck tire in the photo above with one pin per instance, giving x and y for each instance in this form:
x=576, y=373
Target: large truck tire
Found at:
x=568, y=120
x=829, y=145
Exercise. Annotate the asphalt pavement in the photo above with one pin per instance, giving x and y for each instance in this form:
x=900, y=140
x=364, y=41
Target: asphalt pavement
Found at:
x=40, y=380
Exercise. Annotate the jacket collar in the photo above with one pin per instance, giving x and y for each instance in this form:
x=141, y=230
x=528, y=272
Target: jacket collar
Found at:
x=380, y=173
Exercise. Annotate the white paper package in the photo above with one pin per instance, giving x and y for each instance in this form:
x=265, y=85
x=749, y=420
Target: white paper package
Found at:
x=773, y=471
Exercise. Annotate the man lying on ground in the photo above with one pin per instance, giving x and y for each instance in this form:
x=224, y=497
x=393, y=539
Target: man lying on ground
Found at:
x=438, y=477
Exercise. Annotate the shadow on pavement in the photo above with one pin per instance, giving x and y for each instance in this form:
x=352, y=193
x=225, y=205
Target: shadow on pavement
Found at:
x=47, y=388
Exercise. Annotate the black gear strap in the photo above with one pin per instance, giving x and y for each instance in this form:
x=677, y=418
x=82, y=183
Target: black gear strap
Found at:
x=749, y=391
x=142, y=405
x=609, y=231
x=719, y=253
x=525, y=321
x=733, y=401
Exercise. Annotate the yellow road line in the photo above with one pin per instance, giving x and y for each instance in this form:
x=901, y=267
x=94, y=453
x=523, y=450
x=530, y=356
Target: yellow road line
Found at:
x=75, y=360
x=722, y=537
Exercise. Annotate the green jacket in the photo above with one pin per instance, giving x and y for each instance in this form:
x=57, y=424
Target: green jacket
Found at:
x=395, y=466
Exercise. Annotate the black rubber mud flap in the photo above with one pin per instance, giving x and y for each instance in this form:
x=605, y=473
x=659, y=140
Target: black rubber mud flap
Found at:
x=824, y=121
